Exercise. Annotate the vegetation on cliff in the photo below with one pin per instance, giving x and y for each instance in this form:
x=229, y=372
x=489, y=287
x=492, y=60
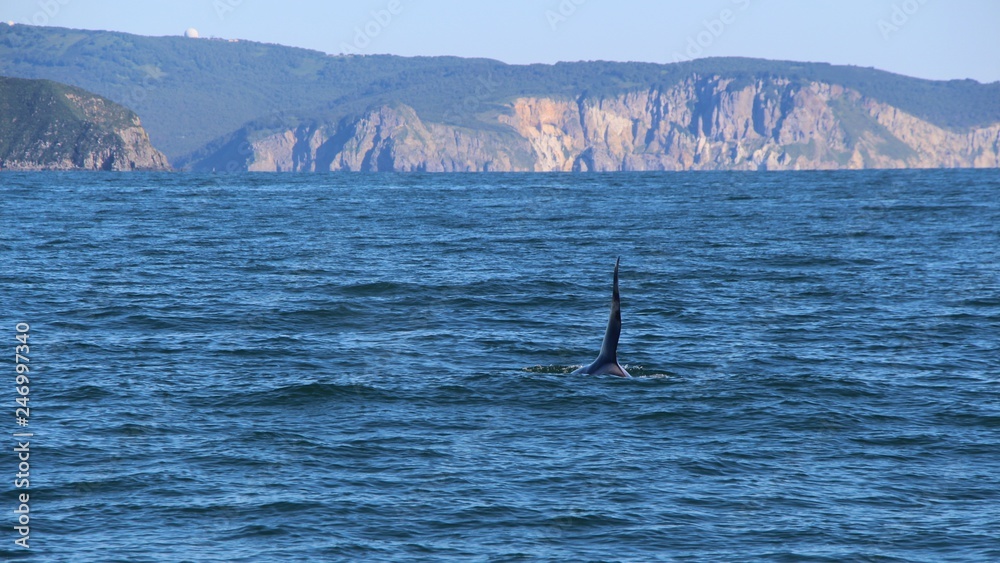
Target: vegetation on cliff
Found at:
x=47, y=125
x=191, y=92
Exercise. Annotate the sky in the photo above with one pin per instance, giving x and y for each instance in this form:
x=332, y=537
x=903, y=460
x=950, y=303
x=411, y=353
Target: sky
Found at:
x=936, y=39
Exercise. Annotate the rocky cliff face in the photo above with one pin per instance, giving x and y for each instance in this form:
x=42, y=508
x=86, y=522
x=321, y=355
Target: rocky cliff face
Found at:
x=385, y=139
x=703, y=123
x=49, y=126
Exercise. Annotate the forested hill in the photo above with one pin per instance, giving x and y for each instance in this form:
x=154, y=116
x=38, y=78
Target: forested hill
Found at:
x=190, y=92
x=45, y=125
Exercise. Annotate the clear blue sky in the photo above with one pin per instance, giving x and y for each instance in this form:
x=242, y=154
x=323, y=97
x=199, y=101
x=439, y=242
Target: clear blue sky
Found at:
x=927, y=38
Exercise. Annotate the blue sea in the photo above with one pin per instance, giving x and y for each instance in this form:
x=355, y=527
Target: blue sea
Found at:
x=354, y=367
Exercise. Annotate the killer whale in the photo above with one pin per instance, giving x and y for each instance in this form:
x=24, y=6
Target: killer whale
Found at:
x=607, y=359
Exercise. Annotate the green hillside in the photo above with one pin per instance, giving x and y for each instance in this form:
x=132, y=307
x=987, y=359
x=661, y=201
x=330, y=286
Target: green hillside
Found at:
x=190, y=92
x=43, y=122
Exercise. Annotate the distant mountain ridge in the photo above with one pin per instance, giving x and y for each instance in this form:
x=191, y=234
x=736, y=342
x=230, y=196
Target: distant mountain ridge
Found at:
x=45, y=125
x=704, y=123
x=245, y=105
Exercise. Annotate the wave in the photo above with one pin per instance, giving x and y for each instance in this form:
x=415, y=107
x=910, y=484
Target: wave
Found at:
x=306, y=394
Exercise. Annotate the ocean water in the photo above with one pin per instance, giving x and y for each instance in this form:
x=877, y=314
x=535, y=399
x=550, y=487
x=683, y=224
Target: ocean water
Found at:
x=376, y=367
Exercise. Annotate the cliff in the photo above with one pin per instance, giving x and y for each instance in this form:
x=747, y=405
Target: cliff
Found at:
x=701, y=123
x=49, y=126
x=195, y=96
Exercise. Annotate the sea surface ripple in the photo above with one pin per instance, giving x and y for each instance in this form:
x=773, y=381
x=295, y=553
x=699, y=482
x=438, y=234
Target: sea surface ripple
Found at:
x=352, y=367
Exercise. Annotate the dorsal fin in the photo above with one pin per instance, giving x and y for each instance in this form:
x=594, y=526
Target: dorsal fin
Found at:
x=609, y=347
x=607, y=360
